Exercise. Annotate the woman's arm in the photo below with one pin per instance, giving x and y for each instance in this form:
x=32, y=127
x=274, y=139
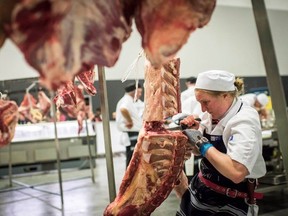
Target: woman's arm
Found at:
x=231, y=169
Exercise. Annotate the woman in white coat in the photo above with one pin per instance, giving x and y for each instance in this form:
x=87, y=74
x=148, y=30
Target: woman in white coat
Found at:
x=232, y=158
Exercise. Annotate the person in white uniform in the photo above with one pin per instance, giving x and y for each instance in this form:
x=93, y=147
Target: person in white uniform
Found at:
x=189, y=103
x=232, y=158
x=189, y=91
x=129, y=117
x=258, y=101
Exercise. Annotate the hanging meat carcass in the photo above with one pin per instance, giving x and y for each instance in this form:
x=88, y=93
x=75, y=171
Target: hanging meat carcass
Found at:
x=61, y=39
x=165, y=26
x=159, y=154
x=71, y=100
x=28, y=110
x=8, y=121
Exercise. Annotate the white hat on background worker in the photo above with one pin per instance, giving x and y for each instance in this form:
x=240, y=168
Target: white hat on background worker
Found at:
x=215, y=80
x=262, y=98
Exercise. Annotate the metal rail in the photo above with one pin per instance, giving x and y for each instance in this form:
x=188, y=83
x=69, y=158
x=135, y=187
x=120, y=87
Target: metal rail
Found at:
x=106, y=130
x=273, y=78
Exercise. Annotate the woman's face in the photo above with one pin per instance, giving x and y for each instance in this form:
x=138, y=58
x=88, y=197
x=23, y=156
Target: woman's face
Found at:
x=216, y=105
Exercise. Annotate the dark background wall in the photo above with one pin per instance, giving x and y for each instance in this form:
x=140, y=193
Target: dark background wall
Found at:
x=115, y=89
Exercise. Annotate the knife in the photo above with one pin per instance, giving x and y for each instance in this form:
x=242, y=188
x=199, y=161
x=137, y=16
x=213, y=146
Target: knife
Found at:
x=181, y=127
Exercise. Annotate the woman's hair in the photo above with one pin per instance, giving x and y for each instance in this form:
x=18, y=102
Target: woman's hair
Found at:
x=239, y=84
x=239, y=89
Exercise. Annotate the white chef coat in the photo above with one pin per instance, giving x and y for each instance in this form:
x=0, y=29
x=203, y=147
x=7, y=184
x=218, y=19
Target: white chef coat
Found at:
x=249, y=99
x=189, y=92
x=128, y=102
x=241, y=132
x=191, y=106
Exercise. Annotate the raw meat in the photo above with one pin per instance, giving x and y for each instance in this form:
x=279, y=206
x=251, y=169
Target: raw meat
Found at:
x=165, y=26
x=44, y=103
x=65, y=95
x=8, y=121
x=28, y=110
x=61, y=39
x=164, y=89
x=159, y=154
x=87, y=80
x=71, y=100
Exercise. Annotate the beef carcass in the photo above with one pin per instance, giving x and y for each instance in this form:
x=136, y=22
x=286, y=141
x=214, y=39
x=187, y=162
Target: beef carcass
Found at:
x=165, y=26
x=8, y=121
x=71, y=100
x=158, y=157
x=28, y=110
x=60, y=39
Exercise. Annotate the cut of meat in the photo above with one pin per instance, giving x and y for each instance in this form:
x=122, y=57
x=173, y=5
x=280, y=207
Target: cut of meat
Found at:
x=6, y=7
x=8, y=121
x=151, y=175
x=28, y=110
x=28, y=100
x=87, y=80
x=159, y=154
x=41, y=48
x=44, y=103
x=71, y=100
x=65, y=95
x=165, y=26
x=61, y=39
x=162, y=91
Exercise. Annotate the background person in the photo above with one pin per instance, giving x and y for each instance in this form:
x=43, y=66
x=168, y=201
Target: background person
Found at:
x=189, y=91
x=129, y=118
x=258, y=101
x=232, y=159
x=189, y=103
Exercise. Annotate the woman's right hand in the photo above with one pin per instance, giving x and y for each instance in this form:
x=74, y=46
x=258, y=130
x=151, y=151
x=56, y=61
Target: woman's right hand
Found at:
x=190, y=122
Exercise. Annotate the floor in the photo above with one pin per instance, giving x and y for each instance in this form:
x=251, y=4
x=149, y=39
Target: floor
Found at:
x=39, y=194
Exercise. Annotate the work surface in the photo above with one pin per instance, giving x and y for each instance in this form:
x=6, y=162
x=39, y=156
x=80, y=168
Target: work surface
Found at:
x=82, y=197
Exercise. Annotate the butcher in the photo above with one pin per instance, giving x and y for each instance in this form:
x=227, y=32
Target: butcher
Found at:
x=128, y=118
x=231, y=151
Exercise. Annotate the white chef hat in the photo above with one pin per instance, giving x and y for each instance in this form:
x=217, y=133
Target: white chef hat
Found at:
x=262, y=99
x=215, y=80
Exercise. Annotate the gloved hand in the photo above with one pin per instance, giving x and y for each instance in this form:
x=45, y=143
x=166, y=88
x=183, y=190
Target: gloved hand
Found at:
x=199, y=143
